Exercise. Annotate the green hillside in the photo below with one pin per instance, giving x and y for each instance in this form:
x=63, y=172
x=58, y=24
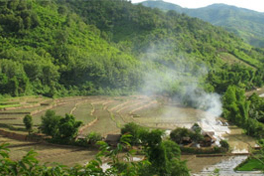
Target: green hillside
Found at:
x=47, y=49
x=247, y=24
x=58, y=48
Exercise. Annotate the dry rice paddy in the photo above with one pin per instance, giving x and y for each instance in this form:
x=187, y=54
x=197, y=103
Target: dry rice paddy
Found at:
x=99, y=114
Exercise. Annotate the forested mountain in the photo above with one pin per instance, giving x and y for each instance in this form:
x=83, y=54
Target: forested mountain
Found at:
x=247, y=24
x=114, y=47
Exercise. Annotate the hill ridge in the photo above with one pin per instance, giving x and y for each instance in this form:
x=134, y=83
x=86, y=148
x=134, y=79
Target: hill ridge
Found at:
x=246, y=23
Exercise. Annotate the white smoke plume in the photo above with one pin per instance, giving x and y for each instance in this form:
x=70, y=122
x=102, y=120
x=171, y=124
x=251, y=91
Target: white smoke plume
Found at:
x=182, y=82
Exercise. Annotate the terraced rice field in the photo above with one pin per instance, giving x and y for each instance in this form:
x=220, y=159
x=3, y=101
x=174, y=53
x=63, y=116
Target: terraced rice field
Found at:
x=100, y=114
x=105, y=124
x=167, y=116
x=49, y=153
x=12, y=141
x=108, y=114
x=11, y=118
x=82, y=112
x=105, y=115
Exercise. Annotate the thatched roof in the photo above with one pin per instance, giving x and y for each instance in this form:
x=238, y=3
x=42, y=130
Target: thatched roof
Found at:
x=209, y=134
x=110, y=138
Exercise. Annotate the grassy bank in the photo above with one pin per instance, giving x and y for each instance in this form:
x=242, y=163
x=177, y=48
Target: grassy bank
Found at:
x=251, y=164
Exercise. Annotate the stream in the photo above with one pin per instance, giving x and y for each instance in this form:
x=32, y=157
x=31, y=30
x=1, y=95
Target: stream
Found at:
x=225, y=165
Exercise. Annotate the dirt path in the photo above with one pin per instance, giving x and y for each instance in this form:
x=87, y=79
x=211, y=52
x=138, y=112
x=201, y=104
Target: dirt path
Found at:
x=258, y=91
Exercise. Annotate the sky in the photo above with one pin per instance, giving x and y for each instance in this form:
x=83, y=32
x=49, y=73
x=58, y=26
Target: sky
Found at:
x=257, y=5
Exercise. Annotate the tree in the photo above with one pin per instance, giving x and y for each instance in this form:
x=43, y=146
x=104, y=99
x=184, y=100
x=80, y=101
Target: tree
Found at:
x=65, y=129
x=93, y=137
x=236, y=107
x=178, y=134
x=196, y=135
x=50, y=123
x=68, y=127
x=224, y=144
x=28, y=123
x=137, y=132
x=172, y=149
x=29, y=164
x=163, y=155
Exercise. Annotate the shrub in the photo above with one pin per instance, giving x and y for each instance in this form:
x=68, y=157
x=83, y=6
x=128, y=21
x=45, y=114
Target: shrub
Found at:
x=136, y=132
x=28, y=123
x=93, y=137
x=178, y=134
x=224, y=144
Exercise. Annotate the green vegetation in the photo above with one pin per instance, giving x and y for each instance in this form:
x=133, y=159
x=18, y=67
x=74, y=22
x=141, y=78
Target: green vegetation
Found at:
x=137, y=132
x=246, y=113
x=247, y=24
x=49, y=124
x=164, y=155
x=151, y=165
x=62, y=130
x=224, y=144
x=178, y=135
x=28, y=123
x=251, y=164
x=93, y=137
x=255, y=161
x=53, y=53
x=61, y=48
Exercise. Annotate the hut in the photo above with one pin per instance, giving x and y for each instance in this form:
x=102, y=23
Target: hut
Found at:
x=113, y=139
x=186, y=140
x=209, y=139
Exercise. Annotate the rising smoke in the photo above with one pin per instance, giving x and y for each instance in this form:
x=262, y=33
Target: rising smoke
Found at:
x=183, y=79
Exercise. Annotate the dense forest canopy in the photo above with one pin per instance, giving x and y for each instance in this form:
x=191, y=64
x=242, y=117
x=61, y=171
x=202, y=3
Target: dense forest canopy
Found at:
x=64, y=47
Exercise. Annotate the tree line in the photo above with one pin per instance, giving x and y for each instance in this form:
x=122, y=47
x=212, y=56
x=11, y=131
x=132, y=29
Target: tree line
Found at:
x=244, y=112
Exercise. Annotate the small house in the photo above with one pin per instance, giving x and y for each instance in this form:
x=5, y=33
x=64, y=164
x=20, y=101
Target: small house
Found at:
x=112, y=139
x=186, y=140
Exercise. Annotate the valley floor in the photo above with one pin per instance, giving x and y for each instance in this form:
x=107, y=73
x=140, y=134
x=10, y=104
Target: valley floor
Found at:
x=107, y=115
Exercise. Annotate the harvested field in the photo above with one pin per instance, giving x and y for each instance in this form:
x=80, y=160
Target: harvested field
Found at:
x=67, y=155
x=106, y=115
x=11, y=118
x=21, y=102
x=27, y=109
x=83, y=112
x=115, y=103
x=238, y=141
x=61, y=109
x=13, y=142
x=104, y=124
x=51, y=153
